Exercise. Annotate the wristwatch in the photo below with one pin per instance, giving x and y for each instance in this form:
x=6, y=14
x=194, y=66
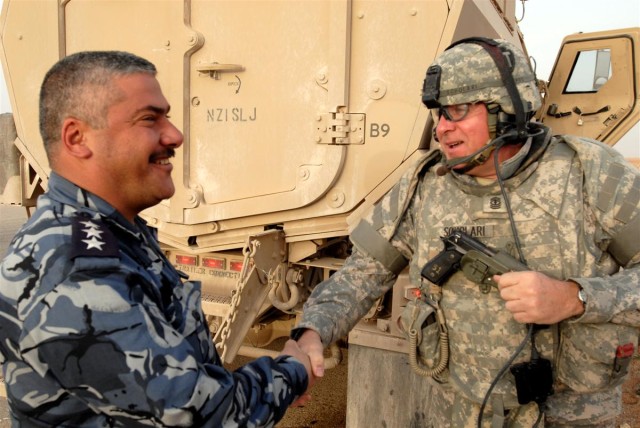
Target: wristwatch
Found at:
x=582, y=296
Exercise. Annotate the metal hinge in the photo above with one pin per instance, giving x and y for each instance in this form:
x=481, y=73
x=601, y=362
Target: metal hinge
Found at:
x=340, y=128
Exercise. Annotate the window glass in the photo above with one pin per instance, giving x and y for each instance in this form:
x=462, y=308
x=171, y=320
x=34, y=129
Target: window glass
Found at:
x=591, y=70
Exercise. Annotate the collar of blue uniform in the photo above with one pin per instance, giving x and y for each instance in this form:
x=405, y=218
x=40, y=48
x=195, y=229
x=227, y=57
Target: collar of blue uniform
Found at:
x=64, y=191
x=69, y=193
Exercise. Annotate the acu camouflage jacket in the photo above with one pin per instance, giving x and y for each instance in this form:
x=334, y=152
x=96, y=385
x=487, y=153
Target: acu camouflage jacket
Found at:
x=576, y=205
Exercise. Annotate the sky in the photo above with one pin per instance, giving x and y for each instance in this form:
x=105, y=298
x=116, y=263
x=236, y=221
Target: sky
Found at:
x=544, y=24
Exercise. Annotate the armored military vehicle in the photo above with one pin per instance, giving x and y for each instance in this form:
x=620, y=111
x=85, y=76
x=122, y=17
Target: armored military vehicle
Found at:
x=297, y=116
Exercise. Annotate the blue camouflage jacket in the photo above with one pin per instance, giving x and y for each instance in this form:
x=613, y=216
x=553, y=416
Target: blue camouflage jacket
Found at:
x=98, y=329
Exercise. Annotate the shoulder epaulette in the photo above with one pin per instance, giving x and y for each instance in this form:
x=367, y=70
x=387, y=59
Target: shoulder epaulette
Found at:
x=91, y=237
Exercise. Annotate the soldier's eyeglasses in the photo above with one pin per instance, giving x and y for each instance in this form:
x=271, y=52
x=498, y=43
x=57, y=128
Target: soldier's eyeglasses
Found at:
x=453, y=113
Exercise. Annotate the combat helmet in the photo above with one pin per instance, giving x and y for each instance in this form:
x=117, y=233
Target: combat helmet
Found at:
x=494, y=72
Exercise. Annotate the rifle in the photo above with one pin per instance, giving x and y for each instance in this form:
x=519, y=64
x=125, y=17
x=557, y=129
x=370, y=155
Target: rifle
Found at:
x=477, y=261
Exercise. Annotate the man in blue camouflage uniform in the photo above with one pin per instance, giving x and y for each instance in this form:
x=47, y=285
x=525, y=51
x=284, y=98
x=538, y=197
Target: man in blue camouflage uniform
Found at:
x=566, y=207
x=96, y=327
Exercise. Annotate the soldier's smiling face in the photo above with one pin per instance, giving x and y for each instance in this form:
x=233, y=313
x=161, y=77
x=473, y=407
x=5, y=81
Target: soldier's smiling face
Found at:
x=132, y=154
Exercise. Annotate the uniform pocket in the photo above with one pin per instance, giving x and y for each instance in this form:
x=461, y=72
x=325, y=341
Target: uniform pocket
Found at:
x=587, y=359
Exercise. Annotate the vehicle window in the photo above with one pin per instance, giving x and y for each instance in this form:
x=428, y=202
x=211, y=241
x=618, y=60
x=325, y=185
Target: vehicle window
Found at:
x=591, y=70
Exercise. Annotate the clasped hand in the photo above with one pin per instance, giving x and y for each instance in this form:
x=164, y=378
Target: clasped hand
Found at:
x=293, y=349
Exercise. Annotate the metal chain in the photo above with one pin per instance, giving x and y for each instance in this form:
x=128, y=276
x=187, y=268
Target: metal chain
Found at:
x=247, y=265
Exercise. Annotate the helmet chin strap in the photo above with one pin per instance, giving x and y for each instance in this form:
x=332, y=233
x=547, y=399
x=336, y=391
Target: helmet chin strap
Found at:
x=479, y=157
x=473, y=160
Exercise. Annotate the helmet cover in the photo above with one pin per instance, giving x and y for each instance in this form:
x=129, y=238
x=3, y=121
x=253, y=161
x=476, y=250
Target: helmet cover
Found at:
x=468, y=74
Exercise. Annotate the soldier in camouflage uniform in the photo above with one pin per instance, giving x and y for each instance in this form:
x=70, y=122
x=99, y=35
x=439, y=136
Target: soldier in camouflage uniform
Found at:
x=96, y=327
x=566, y=207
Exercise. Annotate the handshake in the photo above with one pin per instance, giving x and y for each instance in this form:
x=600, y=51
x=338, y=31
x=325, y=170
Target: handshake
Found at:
x=309, y=351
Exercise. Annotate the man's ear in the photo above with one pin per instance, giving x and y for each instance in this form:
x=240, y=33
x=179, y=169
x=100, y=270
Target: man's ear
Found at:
x=74, y=137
